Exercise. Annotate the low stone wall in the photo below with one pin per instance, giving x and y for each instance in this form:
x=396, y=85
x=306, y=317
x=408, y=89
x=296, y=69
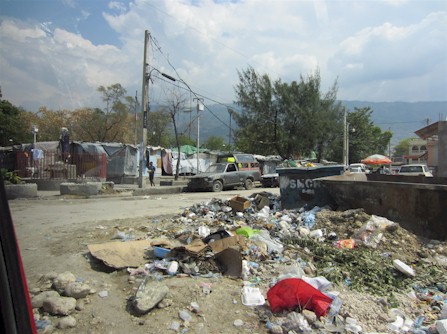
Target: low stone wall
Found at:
x=82, y=189
x=26, y=190
x=418, y=207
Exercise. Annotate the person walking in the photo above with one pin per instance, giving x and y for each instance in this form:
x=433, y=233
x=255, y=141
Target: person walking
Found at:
x=151, y=169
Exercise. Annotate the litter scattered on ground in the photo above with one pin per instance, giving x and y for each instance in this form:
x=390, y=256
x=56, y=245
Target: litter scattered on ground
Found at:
x=302, y=270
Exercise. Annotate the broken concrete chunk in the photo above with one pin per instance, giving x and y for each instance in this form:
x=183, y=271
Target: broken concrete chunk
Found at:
x=149, y=294
x=37, y=300
x=59, y=305
x=77, y=290
x=62, y=280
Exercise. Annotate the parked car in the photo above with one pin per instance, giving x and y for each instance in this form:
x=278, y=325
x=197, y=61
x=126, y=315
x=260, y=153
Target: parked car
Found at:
x=270, y=180
x=415, y=170
x=222, y=176
x=355, y=169
x=363, y=167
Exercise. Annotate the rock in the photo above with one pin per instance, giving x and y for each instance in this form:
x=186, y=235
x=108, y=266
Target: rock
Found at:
x=66, y=322
x=309, y=316
x=238, y=323
x=149, y=294
x=276, y=329
x=59, y=305
x=80, y=304
x=62, y=280
x=37, y=301
x=103, y=293
x=76, y=290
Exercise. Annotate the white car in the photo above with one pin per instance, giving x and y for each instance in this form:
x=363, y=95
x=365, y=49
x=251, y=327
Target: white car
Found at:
x=354, y=169
x=415, y=169
x=362, y=167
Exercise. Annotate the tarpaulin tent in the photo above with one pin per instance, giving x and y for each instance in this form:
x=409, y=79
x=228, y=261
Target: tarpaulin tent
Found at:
x=90, y=159
x=121, y=161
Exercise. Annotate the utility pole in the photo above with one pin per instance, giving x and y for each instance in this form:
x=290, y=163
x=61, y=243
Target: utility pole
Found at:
x=144, y=105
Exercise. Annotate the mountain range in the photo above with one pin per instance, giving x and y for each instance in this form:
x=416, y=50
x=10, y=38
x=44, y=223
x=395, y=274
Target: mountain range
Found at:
x=401, y=118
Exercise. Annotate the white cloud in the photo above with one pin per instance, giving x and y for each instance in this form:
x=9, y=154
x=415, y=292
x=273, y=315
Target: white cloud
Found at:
x=378, y=50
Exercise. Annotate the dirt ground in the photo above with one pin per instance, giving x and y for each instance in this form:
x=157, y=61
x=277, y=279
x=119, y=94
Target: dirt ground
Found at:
x=54, y=233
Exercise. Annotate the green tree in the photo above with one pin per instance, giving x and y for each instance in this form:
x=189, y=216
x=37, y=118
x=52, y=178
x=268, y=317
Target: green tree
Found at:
x=50, y=123
x=158, y=128
x=365, y=138
x=114, y=123
x=289, y=120
x=15, y=124
x=215, y=143
x=402, y=148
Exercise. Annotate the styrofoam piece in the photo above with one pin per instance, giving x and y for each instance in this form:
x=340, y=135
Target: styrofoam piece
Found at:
x=396, y=325
x=441, y=326
x=252, y=296
x=403, y=268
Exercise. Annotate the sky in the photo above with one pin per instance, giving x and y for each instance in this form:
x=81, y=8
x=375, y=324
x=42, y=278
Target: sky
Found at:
x=56, y=53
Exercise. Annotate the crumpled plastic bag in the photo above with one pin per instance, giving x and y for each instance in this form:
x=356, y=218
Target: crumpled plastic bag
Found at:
x=290, y=293
x=272, y=245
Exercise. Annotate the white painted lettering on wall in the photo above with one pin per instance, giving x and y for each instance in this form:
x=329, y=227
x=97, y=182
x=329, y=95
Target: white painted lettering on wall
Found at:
x=302, y=184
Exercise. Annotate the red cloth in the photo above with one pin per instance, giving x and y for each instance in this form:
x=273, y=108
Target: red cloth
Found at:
x=294, y=292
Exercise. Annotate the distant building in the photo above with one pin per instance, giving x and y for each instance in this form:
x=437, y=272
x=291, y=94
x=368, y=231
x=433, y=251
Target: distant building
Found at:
x=417, y=151
x=436, y=157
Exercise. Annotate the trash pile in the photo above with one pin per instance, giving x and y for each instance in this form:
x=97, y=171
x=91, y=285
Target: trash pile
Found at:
x=295, y=266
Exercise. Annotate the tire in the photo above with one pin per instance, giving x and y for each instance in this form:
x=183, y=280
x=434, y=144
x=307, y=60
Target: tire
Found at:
x=217, y=186
x=248, y=184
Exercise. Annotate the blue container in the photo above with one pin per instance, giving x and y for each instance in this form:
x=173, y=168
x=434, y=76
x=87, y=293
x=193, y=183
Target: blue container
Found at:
x=299, y=188
x=161, y=252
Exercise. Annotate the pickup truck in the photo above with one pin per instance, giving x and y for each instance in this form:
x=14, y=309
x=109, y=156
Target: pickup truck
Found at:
x=222, y=176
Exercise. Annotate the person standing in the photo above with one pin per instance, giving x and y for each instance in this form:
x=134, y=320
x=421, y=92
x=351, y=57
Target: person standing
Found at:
x=151, y=169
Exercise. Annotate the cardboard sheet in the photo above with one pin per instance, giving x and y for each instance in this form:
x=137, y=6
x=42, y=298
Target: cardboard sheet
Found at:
x=119, y=255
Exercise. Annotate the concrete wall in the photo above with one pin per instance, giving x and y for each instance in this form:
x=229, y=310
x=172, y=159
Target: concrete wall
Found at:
x=420, y=208
x=442, y=149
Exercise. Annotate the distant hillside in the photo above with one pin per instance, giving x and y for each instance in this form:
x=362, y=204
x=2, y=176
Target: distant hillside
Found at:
x=402, y=118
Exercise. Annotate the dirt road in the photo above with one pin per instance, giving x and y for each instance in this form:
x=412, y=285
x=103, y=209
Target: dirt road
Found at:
x=53, y=234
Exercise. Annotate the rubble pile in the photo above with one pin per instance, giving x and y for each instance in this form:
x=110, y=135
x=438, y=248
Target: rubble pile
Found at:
x=303, y=270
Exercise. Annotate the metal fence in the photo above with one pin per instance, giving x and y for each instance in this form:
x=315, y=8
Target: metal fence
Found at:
x=50, y=165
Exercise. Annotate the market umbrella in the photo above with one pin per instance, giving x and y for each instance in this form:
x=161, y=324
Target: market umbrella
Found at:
x=376, y=159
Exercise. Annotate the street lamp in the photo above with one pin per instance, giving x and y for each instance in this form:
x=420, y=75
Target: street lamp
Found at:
x=200, y=107
x=347, y=141
x=35, y=130
x=230, y=111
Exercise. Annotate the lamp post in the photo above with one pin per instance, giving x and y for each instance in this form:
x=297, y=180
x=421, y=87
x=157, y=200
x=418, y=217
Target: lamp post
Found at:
x=35, y=130
x=230, y=111
x=347, y=141
x=200, y=107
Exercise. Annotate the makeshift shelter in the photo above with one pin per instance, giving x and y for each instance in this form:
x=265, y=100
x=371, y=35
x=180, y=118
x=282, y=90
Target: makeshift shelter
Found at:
x=189, y=157
x=160, y=159
x=121, y=162
x=90, y=159
x=268, y=164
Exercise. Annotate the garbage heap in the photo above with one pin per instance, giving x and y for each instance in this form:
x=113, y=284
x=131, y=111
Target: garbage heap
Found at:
x=320, y=254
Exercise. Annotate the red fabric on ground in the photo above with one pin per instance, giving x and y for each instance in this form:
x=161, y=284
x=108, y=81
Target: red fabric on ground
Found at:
x=294, y=292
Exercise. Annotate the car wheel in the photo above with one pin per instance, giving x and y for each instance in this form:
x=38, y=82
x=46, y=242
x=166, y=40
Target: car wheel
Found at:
x=248, y=184
x=217, y=186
